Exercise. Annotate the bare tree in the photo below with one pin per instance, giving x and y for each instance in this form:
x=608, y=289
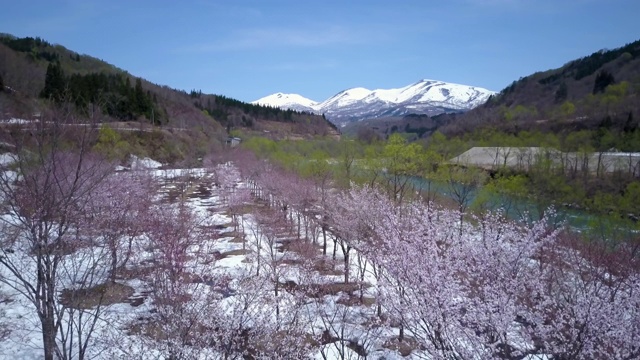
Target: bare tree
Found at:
x=48, y=201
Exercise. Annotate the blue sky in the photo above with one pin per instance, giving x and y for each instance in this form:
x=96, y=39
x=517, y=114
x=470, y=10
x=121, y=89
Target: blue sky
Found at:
x=250, y=49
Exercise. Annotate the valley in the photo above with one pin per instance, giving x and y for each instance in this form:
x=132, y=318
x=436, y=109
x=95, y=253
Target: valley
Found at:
x=430, y=221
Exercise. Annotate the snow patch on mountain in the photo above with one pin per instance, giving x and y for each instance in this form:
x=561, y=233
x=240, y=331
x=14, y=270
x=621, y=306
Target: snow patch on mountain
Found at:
x=287, y=101
x=426, y=96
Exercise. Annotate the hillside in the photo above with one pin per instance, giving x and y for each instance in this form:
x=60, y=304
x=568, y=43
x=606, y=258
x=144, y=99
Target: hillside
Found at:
x=597, y=93
x=597, y=90
x=412, y=127
x=35, y=74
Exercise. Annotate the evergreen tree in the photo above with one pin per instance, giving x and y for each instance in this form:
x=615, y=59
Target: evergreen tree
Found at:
x=603, y=79
x=561, y=93
x=54, y=82
x=629, y=125
x=142, y=104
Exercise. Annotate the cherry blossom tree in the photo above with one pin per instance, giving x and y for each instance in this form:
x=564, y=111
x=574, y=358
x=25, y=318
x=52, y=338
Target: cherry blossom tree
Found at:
x=49, y=230
x=180, y=280
x=123, y=208
x=490, y=288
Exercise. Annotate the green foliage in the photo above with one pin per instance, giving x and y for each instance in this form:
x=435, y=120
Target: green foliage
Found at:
x=402, y=158
x=567, y=109
x=613, y=94
x=504, y=192
x=630, y=202
x=590, y=64
x=35, y=48
x=317, y=167
x=262, y=147
x=519, y=112
x=447, y=148
x=549, y=181
x=463, y=182
x=111, y=145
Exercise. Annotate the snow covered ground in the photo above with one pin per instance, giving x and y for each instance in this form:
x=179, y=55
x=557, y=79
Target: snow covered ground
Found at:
x=334, y=313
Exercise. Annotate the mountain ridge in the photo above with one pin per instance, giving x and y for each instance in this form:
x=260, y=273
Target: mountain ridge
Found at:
x=425, y=96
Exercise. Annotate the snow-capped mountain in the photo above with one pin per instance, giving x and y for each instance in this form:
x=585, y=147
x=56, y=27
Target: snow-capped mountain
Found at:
x=288, y=101
x=429, y=97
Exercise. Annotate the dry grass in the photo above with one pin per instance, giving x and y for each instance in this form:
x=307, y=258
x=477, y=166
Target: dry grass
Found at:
x=405, y=348
x=354, y=300
x=237, y=240
x=320, y=290
x=139, y=272
x=202, y=191
x=235, y=252
x=327, y=267
x=103, y=294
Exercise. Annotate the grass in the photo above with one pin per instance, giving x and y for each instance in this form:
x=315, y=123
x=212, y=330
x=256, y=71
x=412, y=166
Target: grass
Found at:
x=102, y=294
x=405, y=347
x=354, y=300
x=235, y=252
x=237, y=239
x=327, y=267
x=138, y=272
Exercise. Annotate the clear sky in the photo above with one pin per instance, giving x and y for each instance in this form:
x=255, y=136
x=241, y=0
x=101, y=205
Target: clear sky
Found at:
x=250, y=49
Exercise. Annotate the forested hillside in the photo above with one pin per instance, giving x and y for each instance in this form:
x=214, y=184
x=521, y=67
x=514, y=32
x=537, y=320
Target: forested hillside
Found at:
x=598, y=95
x=35, y=74
x=599, y=91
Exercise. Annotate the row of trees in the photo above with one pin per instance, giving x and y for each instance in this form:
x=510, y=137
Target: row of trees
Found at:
x=36, y=48
x=485, y=288
x=548, y=169
x=73, y=232
x=66, y=215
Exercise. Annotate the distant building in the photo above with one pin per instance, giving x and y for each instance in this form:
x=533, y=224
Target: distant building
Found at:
x=233, y=141
x=523, y=158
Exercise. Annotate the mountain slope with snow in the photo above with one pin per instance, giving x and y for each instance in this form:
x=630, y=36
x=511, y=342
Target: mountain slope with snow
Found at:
x=429, y=97
x=287, y=101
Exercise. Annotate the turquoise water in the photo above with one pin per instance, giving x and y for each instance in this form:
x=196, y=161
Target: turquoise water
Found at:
x=526, y=210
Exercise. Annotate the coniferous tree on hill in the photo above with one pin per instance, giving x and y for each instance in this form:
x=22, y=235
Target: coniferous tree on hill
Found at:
x=562, y=92
x=54, y=83
x=603, y=79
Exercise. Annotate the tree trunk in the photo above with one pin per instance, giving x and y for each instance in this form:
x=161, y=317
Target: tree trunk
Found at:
x=324, y=240
x=46, y=302
x=114, y=261
x=346, y=264
x=335, y=247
